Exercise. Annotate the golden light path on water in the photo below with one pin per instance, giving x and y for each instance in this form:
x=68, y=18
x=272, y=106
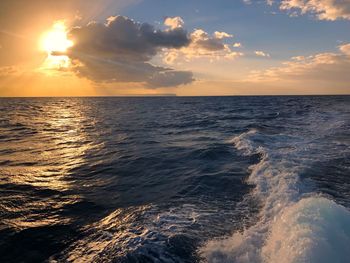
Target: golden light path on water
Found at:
x=54, y=143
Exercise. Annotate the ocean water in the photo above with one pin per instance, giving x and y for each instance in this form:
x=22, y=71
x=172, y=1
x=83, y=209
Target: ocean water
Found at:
x=209, y=179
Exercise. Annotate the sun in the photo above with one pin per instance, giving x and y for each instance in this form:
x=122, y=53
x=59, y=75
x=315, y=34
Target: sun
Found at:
x=56, y=39
x=55, y=43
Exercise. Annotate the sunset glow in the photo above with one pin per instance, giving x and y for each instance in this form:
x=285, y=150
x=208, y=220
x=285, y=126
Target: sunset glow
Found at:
x=119, y=47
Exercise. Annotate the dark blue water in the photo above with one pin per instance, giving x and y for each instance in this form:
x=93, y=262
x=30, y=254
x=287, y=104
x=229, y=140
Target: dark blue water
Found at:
x=175, y=179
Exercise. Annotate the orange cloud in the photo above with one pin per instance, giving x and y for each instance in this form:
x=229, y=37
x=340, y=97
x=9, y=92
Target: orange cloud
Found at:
x=321, y=71
x=260, y=53
x=323, y=9
x=203, y=45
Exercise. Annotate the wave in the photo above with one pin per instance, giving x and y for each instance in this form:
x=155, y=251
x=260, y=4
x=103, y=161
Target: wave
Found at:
x=293, y=225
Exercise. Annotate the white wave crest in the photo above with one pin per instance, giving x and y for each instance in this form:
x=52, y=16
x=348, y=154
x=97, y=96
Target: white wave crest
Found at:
x=293, y=227
x=314, y=230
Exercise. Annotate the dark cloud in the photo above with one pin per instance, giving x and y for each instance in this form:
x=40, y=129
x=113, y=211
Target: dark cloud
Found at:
x=122, y=37
x=169, y=78
x=120, y=51
x=109, y=71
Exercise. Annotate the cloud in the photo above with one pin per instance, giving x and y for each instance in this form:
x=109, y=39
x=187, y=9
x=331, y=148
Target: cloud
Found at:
x=123, y=38
x=237, y=44
x=260, y=53
x=323, y=70
x=221, y=35
x=345, y=49
x=322, y=9
x=203, y=45
x=121, y=49
x=201, y=40
x=174, y=22
x=170, y=78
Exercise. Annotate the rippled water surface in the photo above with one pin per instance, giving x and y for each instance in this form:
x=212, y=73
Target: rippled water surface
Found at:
x=211, y=179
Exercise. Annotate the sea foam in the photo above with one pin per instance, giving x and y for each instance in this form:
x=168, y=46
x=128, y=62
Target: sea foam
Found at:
x=294, y=226
x=314, y=230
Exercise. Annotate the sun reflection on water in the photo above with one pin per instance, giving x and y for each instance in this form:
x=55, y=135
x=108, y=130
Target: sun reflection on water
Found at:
x=39, y=169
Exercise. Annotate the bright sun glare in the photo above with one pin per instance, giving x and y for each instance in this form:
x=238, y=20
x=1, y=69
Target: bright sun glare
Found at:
x=55, y=42
x=56, y=39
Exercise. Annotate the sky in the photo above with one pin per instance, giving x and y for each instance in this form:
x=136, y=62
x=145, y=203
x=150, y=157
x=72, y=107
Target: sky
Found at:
x=184, y=48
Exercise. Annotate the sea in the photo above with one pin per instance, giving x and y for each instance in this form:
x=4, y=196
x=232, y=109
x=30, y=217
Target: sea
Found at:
x=175, y=179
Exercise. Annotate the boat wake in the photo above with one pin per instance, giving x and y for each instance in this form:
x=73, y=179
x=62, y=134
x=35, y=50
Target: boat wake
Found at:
x=294, y=224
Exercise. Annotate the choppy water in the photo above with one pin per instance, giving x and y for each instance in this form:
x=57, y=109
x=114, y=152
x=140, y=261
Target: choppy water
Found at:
x=220, y=179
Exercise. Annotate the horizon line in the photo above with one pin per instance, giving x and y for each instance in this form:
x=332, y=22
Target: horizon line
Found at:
x=179, y=96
